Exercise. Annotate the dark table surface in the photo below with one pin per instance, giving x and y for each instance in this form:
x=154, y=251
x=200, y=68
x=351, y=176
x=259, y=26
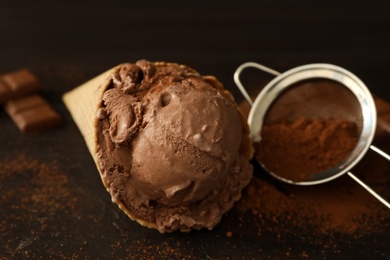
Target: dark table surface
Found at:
x=53, y=204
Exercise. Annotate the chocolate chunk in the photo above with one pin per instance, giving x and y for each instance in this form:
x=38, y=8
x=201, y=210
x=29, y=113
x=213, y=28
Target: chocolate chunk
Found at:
x=5, y=92
x=32, y=114
x=18, y=83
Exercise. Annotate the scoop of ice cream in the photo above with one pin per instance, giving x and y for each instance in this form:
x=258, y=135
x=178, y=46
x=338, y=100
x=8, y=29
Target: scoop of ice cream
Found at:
x=168, y=145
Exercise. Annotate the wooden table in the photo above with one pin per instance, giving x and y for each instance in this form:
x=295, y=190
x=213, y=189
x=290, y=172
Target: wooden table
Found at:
x=52, y=201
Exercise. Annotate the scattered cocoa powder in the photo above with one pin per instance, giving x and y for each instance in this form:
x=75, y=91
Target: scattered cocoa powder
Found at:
x=43, y=217
x=300, y=149
x=337, y=207
x=30, y=214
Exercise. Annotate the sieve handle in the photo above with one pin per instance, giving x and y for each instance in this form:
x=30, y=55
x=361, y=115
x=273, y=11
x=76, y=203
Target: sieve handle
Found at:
x=243, y=66
x=373, y=193
x=380, y=152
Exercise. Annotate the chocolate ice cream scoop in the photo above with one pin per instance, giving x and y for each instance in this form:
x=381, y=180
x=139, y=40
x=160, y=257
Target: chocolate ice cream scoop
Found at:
x=171, y=145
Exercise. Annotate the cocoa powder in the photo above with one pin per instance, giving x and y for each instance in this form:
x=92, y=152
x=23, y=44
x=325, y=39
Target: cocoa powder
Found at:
x=339, y=207
x=45, y=214
x=300, y=149
x=34, y=196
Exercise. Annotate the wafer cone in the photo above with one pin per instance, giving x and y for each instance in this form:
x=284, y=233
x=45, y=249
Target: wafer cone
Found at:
x=84, y=101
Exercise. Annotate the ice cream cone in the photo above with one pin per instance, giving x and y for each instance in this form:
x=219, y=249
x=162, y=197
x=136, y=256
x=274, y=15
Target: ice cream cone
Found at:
x=83, y=103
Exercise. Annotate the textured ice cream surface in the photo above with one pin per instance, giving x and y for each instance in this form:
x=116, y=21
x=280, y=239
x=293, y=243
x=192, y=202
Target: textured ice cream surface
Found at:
x=170, y=146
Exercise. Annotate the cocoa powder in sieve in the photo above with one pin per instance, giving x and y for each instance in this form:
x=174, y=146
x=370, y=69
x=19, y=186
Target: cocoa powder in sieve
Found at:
x=300, y=149
x=339, y=207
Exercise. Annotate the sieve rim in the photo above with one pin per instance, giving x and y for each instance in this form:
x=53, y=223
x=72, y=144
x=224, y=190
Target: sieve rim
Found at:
x=314, y=71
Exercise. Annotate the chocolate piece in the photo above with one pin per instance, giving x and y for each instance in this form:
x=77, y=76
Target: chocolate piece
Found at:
x=32, y=114
x=5, y=92
x=18, y=83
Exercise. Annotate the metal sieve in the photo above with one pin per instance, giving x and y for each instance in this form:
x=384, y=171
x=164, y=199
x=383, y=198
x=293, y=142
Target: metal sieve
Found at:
x=290, y=96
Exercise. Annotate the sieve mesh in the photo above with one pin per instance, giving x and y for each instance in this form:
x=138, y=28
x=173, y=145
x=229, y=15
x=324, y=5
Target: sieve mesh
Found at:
x=315, y=98
x=312, y=126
